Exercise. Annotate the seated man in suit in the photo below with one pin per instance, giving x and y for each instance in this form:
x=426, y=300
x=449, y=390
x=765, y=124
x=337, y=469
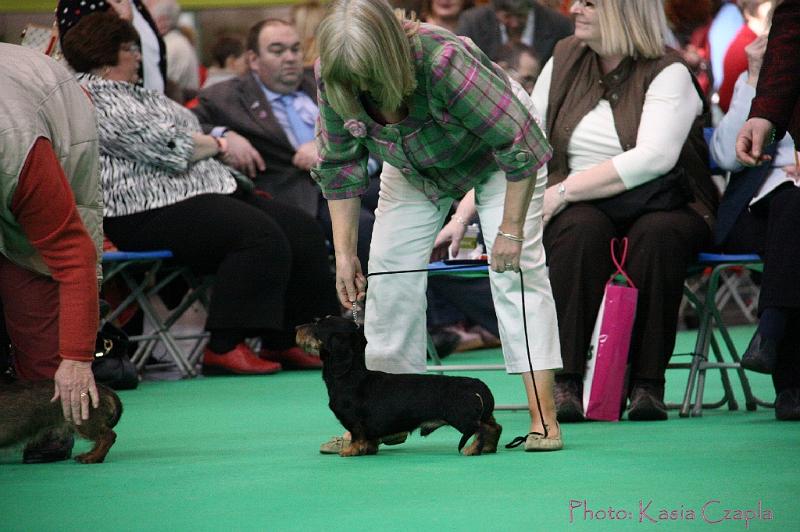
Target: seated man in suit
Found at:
x=508, y=21
x=274, y=107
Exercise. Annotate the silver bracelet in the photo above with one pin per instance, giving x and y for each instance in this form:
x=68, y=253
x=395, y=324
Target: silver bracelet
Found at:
x=509, y=236
x=562, y=191
x=460, y=220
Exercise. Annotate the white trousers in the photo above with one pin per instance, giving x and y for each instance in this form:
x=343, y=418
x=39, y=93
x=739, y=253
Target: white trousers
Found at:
x=406, y=225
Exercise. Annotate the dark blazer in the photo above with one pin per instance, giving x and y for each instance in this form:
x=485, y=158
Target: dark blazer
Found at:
x=742, y=186
x=482, y=26
x=240, y=105
x=778, y=92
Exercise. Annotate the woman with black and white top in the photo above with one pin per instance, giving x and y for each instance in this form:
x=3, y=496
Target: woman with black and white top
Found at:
x=154, y=59
x=164, y=188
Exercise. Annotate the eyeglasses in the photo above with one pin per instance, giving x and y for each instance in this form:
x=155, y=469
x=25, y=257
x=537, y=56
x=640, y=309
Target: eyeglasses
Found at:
x=132, y=48
x=585, y=4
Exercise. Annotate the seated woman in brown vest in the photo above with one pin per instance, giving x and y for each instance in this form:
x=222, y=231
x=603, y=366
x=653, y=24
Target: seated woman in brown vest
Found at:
x=622, y=113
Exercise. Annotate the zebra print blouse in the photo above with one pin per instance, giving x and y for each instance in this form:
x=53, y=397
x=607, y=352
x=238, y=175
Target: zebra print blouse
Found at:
x=145, y=150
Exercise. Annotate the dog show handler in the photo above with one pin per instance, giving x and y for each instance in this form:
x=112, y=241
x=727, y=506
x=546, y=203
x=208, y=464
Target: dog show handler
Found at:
x=445, y=120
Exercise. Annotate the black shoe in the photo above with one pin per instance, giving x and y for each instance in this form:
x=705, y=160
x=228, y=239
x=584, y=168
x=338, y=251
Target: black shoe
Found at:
x=647, y=403
x=569, y=401
x=445, y=342
x=51, y=449
x=761, y=355
x=787, y=405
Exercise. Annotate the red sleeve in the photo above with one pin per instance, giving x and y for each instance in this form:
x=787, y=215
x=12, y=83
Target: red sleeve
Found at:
x=45, y=208
x=734, y=64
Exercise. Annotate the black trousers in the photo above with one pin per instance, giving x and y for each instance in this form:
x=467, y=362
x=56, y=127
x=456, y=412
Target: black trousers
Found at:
x=661, y=247
x=772, y=229
x=269, y=259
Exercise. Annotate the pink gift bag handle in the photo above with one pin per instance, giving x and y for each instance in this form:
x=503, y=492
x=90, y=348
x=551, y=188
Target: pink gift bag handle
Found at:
x=620, y=262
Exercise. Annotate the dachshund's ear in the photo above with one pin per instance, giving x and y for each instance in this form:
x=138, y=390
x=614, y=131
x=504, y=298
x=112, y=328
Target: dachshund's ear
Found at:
x=341, y=354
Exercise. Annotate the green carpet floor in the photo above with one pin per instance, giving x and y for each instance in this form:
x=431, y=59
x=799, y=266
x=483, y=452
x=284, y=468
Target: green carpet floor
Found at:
x=240, y=453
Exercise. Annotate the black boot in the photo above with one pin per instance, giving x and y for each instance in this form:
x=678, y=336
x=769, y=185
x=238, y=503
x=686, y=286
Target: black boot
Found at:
x=647, y=403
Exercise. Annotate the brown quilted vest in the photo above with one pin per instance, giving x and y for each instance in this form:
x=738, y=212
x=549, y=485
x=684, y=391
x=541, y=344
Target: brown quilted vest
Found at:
x=578, y=84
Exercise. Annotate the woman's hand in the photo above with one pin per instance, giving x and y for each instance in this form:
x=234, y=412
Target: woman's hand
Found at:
x=448, y=238
x=74, y=385
x=755, y=58
x=506, y=252
x=755, y=134
x=351, y=285
x=306, y=156
x=793, y=171
x=242, y=155
x=554, y=203
x=123, y=9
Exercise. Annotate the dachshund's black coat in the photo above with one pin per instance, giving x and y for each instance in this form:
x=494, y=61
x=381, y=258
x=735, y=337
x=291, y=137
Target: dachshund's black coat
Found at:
x=27, y=416
x=373, y=404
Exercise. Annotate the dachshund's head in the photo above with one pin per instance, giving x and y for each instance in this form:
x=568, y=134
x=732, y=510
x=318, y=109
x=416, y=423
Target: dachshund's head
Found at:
x=339, y=342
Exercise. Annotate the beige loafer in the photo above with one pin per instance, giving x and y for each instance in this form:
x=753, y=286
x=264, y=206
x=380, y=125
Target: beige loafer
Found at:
x=337, y=443
x=535, y=441
x=334, y=445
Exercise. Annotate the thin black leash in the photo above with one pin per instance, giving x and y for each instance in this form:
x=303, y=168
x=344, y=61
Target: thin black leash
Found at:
x=519, y=440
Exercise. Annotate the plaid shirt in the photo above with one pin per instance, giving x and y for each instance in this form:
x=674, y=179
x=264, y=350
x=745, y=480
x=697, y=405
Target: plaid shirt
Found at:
x=464, y=124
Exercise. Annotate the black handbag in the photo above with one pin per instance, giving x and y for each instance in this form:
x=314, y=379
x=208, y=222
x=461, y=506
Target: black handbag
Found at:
x=112, y=365
x=666, y=193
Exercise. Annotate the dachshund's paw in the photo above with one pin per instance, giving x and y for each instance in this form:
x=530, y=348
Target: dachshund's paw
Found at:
x=90, y=458
x=473, y=449
x=360, y=448
x=491, y=436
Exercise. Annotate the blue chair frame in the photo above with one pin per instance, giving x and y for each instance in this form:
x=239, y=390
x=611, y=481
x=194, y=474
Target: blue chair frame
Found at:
x=139, y=270
x=710, y=322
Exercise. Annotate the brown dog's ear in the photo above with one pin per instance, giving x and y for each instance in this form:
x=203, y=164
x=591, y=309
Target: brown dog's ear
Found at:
x=340, y=354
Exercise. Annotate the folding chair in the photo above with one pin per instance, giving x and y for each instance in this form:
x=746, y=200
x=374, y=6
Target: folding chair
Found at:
x=139, y=270
x=711, y=322
x=440, y=268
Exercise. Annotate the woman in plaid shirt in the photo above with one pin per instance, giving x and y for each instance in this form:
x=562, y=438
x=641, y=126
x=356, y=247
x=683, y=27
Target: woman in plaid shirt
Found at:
x=445, y=120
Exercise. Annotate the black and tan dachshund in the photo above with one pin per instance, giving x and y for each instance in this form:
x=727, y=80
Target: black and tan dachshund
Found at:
x=374, y=404
x=27, y=415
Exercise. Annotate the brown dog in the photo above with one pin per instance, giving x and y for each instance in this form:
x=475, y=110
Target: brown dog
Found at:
x=27, y=415
x=374, y=404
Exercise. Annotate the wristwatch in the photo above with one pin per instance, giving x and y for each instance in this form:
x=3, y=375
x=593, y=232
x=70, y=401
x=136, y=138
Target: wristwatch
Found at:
x=562, y=191
x=218, y=132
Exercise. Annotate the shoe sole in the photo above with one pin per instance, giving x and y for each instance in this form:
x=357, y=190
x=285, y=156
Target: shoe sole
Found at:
x=219, y=370
x=570, y=415
x=647, y=414
x=758, y=368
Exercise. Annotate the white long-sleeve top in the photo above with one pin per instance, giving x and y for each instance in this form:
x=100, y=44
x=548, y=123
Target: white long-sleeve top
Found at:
x=671, y=105
x=723, y=142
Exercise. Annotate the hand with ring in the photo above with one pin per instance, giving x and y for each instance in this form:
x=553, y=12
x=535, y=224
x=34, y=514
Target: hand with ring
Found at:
x=75, y=387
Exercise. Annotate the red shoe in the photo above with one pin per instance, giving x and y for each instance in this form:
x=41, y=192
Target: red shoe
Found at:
x=292, y=358
x=240, y=359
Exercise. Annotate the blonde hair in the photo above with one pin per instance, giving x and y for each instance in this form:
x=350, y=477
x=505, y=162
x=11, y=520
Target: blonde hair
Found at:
x=632, y=28
x=364, y=44
x=306, y=18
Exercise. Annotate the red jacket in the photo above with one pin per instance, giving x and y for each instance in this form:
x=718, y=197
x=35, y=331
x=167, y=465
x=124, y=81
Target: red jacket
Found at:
x=778, y=92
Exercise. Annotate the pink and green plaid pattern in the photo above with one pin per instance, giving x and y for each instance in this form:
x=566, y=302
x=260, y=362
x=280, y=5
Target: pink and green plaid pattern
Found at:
x=464, y=124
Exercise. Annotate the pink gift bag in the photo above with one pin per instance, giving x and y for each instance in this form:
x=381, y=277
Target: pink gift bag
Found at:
x=604, y=380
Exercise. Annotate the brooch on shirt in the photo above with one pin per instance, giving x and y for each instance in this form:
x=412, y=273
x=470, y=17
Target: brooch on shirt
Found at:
x=356, y=128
